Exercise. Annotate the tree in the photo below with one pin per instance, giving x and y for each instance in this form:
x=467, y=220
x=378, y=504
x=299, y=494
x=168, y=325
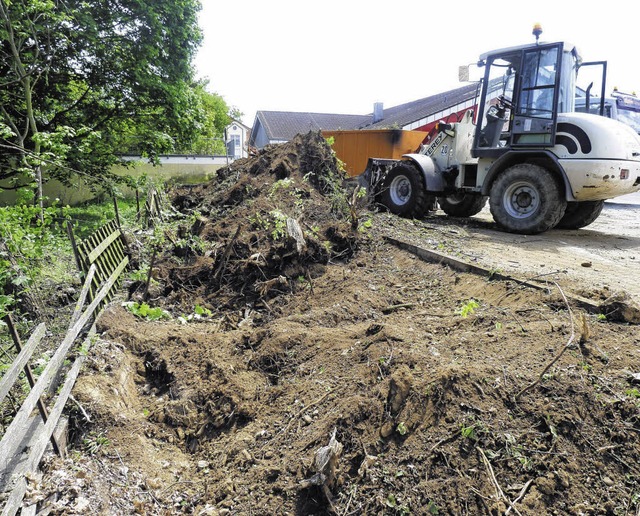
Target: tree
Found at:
x=81, y=80
x=210, y=139
x=26, y=41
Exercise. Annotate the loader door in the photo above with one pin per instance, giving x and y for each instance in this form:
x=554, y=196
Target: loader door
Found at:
x=523, y=90
x=537, y=96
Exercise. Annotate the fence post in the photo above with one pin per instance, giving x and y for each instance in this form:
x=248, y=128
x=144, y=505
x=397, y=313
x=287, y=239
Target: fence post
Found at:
x=73, y=244
x=115, y=206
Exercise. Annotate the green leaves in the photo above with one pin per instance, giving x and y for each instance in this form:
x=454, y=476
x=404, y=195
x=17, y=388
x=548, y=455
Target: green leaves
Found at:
x=5, y=131
x=25, y=236
x=468, y=308
x=202, y=311
x=5, y=303
x=144, y=311
x=85, y=80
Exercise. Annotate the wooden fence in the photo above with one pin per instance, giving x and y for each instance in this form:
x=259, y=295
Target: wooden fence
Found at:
x=99, y=256
x=101, y=259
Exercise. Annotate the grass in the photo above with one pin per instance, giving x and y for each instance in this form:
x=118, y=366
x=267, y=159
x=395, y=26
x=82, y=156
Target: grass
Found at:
x=37, y=262
x=88, y=217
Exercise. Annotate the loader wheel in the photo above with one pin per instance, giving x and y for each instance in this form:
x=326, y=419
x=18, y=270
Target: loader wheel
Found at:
x=527, y=199
x=580, y=214
x=403, y=191
x=462, y=204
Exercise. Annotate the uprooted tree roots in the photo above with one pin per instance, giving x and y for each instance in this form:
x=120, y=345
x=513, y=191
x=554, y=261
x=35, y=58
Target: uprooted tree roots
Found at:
x=338, y=374
x=267, y=222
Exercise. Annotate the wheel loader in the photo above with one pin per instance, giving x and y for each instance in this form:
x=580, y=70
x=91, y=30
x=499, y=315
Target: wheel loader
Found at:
x=523, y=149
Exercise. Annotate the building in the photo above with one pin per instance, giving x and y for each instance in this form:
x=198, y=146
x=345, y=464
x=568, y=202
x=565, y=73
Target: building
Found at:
x=422, y=115
x=235, y=136
x=282, y=126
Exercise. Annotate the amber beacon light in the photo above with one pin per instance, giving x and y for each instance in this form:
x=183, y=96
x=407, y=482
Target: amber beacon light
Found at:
x=537, y=30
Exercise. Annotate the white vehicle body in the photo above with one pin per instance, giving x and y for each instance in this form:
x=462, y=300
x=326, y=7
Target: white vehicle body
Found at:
x=538, y=162
x=624, y=107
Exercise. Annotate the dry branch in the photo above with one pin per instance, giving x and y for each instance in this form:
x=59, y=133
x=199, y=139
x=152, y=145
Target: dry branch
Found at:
x=227, y=252
x=393, y=308
x=561, y=352
x=499, y=493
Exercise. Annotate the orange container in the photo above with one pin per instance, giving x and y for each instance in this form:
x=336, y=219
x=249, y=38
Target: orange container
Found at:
x=354, y=148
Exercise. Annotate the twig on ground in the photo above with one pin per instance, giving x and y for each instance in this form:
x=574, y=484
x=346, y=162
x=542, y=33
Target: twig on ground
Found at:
x=492, y=476
x=499, y=493
x=225, y=256
x=445, y=440
x=520, y=496
x=522, y=328
x=353, y=492
x=84, y=412
x=558, y=355
x=302, y=411
x=266, y=305
x=547, y=274
x=310, y=280
x=393, y=308
x=477, y=386
x=432, y=314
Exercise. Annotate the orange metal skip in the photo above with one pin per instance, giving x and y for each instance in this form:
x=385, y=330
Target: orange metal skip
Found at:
x=354, y=148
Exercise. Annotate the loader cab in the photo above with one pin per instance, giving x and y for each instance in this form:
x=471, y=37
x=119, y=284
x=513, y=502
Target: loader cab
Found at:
x=523, y=90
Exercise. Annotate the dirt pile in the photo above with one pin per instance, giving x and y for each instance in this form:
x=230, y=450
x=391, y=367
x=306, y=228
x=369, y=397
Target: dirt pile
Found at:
x=424, y=390
x=378, y=384
x=265, y=222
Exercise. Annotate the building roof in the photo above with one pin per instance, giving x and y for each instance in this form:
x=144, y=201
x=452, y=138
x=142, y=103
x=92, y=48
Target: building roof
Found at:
x=238, y=122
x=284, y=125
x=405, y=114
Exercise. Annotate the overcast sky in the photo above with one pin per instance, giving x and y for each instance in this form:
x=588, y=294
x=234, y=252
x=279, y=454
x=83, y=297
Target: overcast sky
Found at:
x=342, y=56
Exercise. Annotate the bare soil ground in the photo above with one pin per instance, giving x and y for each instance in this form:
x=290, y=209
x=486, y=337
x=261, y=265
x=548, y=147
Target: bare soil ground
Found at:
x=339, y=374
x=604, y=255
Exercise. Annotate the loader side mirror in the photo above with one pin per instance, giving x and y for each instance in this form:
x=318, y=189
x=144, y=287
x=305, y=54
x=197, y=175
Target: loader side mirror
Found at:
x=463, y=73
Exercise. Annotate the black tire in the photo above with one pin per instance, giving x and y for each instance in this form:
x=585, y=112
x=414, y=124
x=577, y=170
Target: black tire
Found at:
x=527, y=199
x=580, y=214
x=403, y=193
x=462, y=204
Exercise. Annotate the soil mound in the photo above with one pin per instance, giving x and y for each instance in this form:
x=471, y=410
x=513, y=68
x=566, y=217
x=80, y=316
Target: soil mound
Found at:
x=263, y=223
x=342, y=375
x=382, y=391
